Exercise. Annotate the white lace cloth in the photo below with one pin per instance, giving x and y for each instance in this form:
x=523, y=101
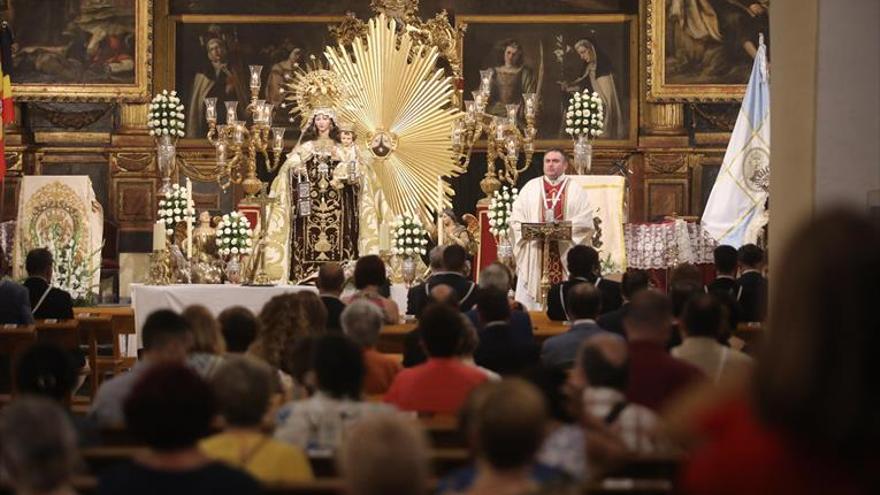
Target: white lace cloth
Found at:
x=665, y=245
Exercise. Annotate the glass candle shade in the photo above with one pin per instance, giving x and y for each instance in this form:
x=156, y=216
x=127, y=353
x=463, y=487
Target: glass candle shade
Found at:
x=211, y=110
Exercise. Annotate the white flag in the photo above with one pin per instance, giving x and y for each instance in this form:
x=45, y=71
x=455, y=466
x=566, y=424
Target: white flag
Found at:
x=735, y=212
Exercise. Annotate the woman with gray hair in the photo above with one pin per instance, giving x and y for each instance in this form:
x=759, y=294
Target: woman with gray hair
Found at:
x=362, y=322
x=37, y=447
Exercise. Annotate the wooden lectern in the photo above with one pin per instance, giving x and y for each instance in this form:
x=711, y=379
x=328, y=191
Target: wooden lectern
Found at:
x=546, y=232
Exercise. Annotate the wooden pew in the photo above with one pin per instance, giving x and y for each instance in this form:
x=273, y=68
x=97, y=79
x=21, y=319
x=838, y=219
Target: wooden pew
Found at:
x=392, y=336
x=14, y=339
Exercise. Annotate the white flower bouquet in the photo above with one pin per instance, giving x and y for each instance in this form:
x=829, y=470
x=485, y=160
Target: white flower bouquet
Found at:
x=499, y=210
x=176, y=208
x=71, y=272
x=409, y=237
x=585, y=115
x=166, y=115
x=234, y=235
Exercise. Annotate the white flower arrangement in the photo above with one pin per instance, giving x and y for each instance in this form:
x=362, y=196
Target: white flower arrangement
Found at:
x=166, y=115
x=409, y=237
x=585, y=115
x=176, y=208
x=499, y=210
x=234, y=235
x=70, y=272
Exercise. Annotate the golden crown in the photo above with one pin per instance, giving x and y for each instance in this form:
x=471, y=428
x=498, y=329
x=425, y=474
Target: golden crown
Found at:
x=312, y=91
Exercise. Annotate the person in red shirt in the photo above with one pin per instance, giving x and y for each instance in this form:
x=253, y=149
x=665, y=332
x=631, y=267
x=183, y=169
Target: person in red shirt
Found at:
x=654, y=375
x=807, y=423
x=441, y=385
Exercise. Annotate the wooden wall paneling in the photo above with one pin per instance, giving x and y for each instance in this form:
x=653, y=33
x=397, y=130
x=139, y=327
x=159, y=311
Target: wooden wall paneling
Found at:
x=135, y=202
x=9, y=198
x=703, y=173
x=665, y=197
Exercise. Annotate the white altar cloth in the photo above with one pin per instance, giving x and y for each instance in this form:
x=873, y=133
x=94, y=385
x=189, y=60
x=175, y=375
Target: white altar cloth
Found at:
x=148, y=298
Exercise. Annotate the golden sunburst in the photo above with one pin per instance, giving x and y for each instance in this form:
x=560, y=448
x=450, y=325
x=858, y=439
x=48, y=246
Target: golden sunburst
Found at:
x=403, y=111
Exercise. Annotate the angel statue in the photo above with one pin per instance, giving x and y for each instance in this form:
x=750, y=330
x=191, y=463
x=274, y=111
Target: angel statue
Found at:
x=454, y=232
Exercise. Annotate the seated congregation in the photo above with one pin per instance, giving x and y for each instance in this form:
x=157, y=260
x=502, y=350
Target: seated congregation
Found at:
x=646, y=384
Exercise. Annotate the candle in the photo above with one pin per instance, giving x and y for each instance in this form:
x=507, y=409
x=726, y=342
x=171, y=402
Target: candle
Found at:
x=258, y=111
x=231, y=114
x=189, y=217
x=238, y=134
x=512, y=110
x=221, y=153
x=211, y=110
x=278, y=137
x=440, y=211
x=499, y=129
x=530, y=99
x=267, y=112
x=159, y=235
x=470, y=111
x=255, y=76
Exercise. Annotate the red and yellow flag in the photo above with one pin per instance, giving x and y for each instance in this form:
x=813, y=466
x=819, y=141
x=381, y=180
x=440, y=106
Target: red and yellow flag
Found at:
x=7, y=108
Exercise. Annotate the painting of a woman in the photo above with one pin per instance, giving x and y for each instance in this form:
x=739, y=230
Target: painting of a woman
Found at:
x=597, y=75
x=510, y=79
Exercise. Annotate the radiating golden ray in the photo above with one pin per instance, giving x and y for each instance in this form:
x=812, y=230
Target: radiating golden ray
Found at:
x=401, y=91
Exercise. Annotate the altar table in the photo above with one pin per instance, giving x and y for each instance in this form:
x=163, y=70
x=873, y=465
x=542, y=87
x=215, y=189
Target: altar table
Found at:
x=148, y=298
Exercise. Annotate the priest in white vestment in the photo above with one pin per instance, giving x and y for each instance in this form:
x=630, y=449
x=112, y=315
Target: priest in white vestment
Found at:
x=547, y=198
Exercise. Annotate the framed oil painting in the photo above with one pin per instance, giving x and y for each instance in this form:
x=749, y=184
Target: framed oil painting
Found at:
x=70, y=50
x=703, y=50
x=556, y=56
x=212, y=55
x=269, y=7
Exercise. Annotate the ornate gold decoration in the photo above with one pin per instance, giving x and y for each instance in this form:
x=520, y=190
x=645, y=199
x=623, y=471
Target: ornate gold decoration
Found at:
x=140, y=90
x=399, y=10
x=160, y=268
x=311, y=90
x=667, y=163
x=347, y=31
x=439, y=33
x=14, y=160
x=244, y=141
x=666, y=119
x=132, y=161
x=198, y=165
x=506, y=138
x=134, y=115
x=655, y=48
x=70, y=119
x=403, y=112
x=723, y=120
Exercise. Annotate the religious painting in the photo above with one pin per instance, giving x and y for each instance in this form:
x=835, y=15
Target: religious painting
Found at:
x=703, y=50
x=212, y=59
x=556, y=56
x=70, y=50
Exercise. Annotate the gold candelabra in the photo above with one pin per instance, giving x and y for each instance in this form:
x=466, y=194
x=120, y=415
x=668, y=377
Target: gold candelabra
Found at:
x=243, y=142
x=507, y=139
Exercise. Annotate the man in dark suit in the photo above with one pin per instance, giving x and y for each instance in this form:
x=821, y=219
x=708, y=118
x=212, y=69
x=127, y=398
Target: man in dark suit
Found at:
x=416, y=295
x=331, y=280
x=454, y=264
x=15, y=304
x=499, y=349
x=497, y=276
x=584, y=303
x=725, y=287
x=753, y=286
x=633, y=282
x=725, y=271
x=583, y=266
x=46, y=301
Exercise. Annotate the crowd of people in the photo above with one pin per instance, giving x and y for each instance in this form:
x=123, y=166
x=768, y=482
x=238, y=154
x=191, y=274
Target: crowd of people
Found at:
x=224, y=404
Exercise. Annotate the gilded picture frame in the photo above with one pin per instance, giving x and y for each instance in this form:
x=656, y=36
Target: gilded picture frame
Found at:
x=552, y=39
x=708, y=64
x=136, y=88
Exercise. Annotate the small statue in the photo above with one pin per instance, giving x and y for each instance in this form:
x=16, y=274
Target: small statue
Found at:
x=205, y=237
x=347, y=170
x=456, y=233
